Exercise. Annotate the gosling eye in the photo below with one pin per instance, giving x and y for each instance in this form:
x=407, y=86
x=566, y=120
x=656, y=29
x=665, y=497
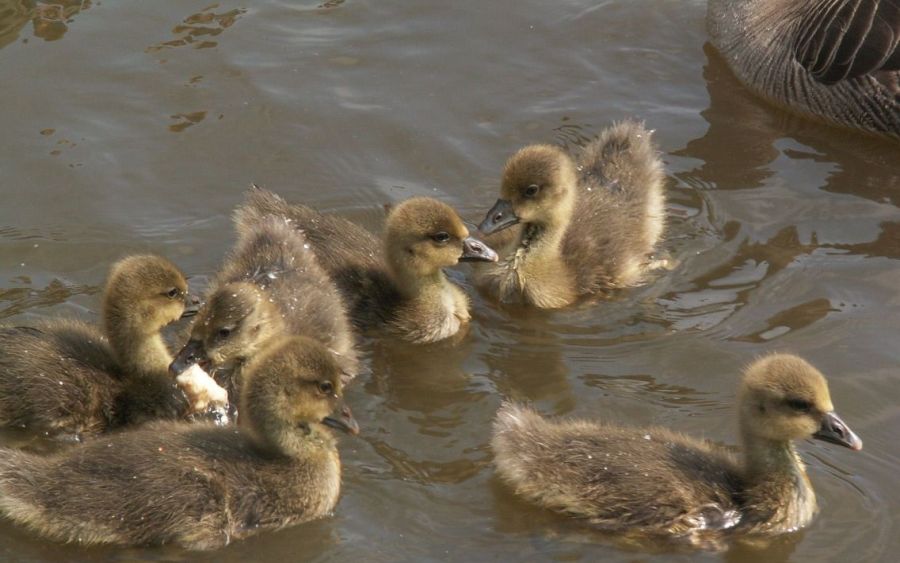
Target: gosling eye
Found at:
x=173, y=293
x=326, y=387
x=224, y=332
x=532, y=190
x=442, y=237
x=799, y=405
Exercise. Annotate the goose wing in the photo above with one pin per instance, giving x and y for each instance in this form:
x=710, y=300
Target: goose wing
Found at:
x=844, y=39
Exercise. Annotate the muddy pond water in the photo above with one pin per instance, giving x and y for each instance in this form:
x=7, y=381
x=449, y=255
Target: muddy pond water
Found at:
x=135, y=126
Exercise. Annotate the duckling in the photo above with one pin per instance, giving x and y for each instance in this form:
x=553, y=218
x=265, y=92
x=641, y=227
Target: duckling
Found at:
x=66, y=378
x=838, y=60
x=270, y=285
x=397, y=285
x=198, y=486
x=657, y=482
x=579, y=228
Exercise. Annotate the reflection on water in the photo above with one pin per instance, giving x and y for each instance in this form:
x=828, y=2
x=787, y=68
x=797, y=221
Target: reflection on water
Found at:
x=721, y=291
x=425, y=378
x=18, y=300
x=197, y=30
x=434, y=397
x=546, y=377
x=793, y=318
x=645, y=387
x=186, y=120
x=861, y=164
x=887, y=244
x=49, y=20
x=785, y=235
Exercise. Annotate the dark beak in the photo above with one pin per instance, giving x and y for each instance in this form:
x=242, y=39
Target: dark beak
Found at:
x=476, y=251
x=192, y=353
x=499, y=217
x=834, y=430
x=344, y=421
x=192, y=305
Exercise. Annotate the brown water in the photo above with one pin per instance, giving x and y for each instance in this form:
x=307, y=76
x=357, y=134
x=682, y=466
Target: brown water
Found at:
x=135, y=126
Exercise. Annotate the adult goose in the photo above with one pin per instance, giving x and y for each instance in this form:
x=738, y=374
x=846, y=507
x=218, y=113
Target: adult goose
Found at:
x=838, y=60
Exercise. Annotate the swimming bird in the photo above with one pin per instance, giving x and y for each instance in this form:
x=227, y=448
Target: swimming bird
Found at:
x=568, y=229
x=270, y=285
x=657, y=482
x=198, y=486
x=837, y=60
x=396, y=285
x=65, y=377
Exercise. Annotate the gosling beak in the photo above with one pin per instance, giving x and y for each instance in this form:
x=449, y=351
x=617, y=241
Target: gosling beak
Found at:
x=344, y=421
x=499, y=217
x=476, y=251
x=192, y=305
x=192, y=353
x=836, y=431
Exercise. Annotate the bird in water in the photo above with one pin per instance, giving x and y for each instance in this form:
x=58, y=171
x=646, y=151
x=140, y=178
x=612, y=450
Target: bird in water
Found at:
x=569, y=228
x=66, y=378
x=837, y=60
x=198, y=486
x=396, y=285
x=655, y=482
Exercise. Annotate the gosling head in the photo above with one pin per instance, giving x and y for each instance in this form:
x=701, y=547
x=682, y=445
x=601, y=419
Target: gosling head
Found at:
x=784, y=398
x=424, y=235
x=233, y=325
x=538, y=187
x=292, y=384
x=143, y=294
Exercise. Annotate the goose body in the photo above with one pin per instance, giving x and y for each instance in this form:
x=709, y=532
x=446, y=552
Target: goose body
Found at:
x=837, y=60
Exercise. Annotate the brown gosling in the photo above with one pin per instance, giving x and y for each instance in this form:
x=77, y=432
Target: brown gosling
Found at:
x=398, y=285
x=66, y=378
x=657, y=482
x=198, y=486
x=271, y=285
x=581, y=227
x=837, y=60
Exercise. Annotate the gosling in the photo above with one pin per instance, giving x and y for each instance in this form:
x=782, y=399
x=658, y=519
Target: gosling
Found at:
x=66, y=378
x=271, y=285
x=396, y=286
x=198, y=486
x=568, y=230
x=659, y=483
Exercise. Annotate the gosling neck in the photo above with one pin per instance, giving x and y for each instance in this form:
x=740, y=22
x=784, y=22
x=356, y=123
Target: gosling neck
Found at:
x=778, y=494
x=415, y=285
x=302, y=440
x=545, y=236
x=138, y=349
